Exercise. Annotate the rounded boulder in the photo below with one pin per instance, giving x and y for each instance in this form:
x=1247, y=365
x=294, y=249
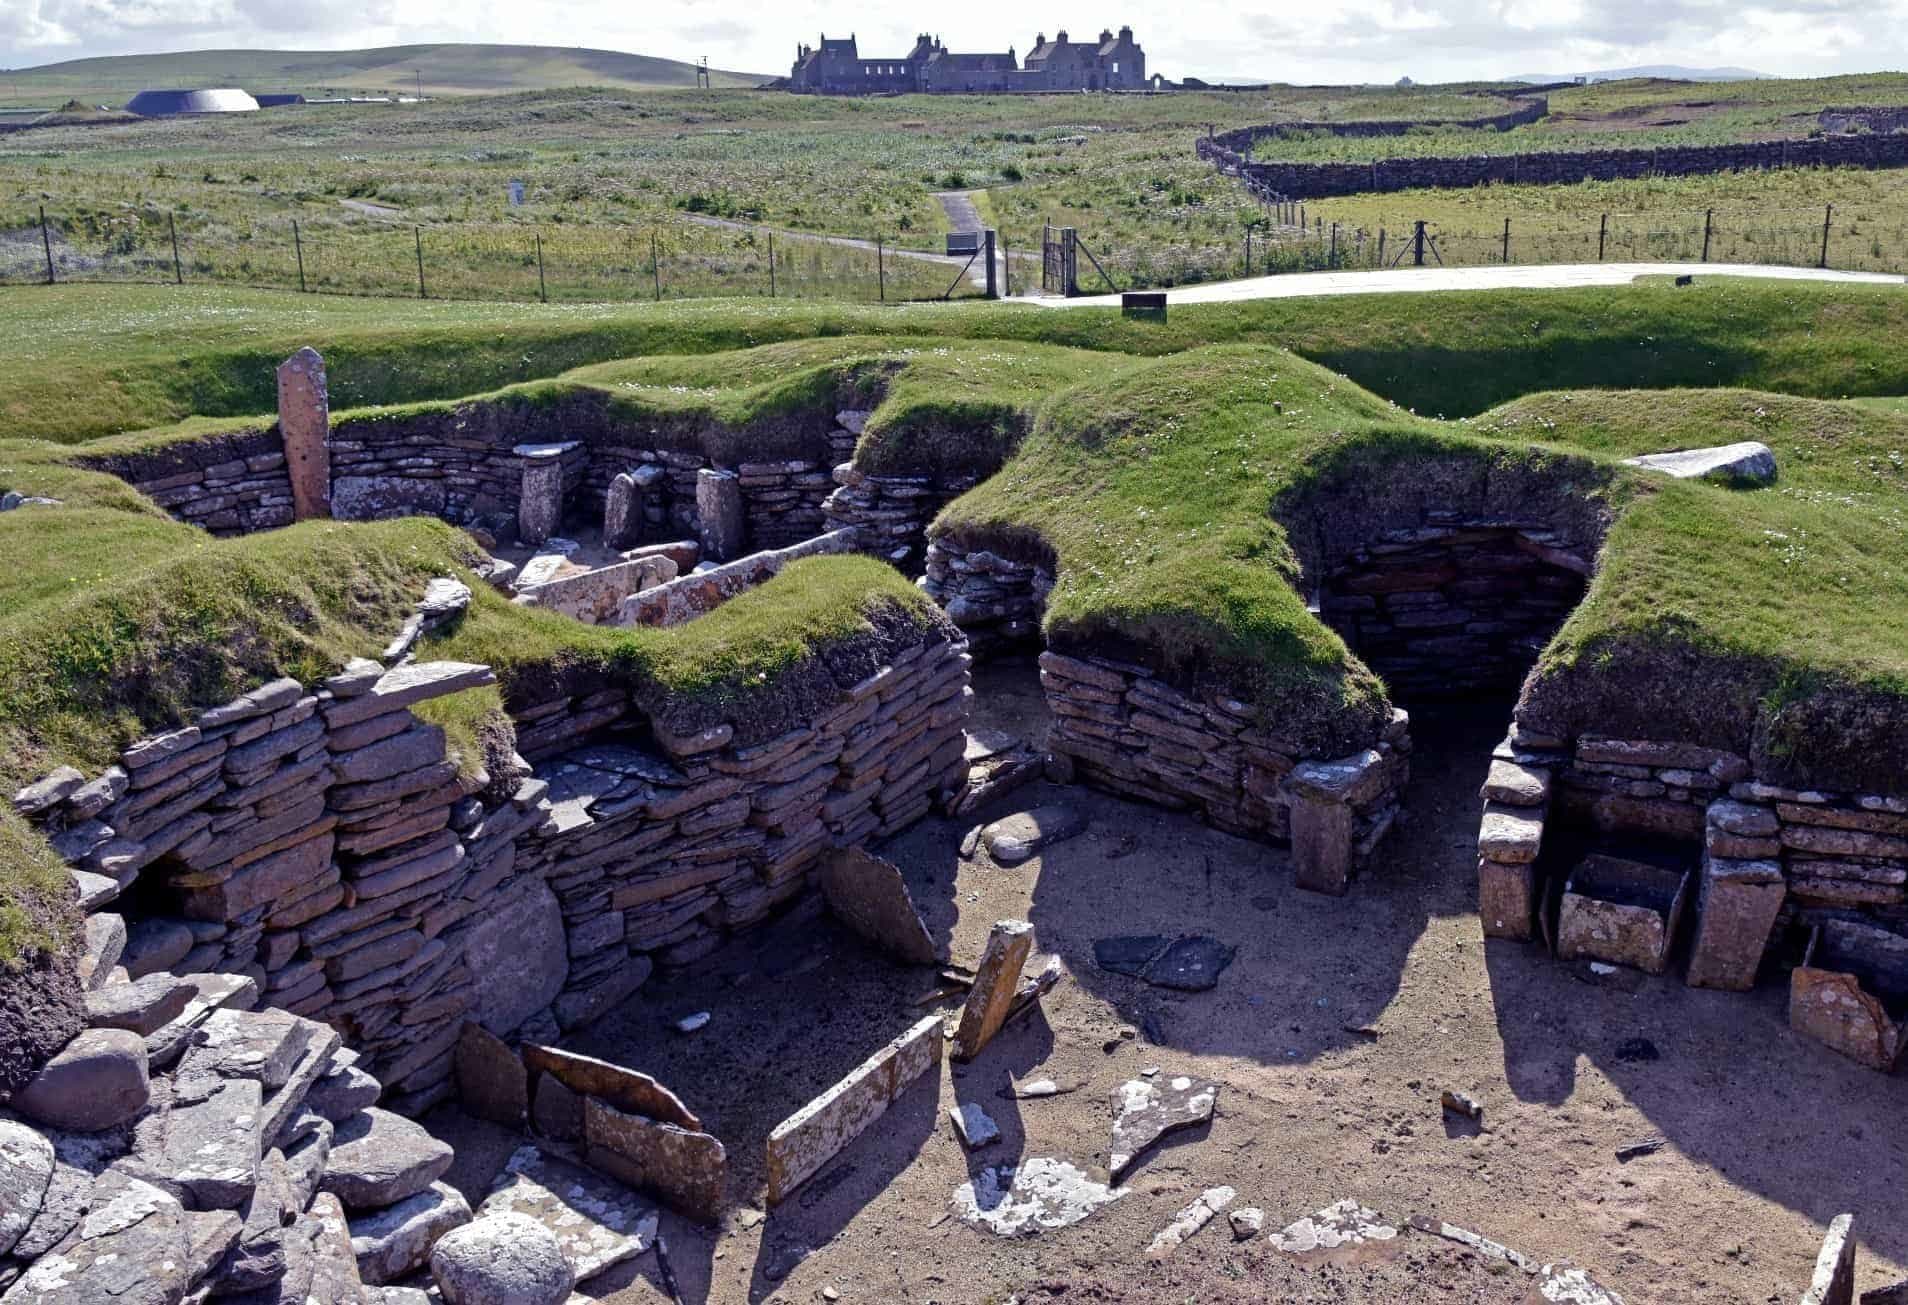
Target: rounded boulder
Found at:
x=501, y=1259
x=97, y=1081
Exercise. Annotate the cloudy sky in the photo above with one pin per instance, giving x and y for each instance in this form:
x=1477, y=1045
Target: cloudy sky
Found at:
x=1353, y=40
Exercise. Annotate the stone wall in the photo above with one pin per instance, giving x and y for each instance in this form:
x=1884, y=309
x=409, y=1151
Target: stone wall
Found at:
x=1560, y=167
x=1455, y=607
x=1128, y=732
x=323, y=845
x=228, y=484
x=1529, y=109
x=1869, y=118
x=892, y=513
x=995, y=600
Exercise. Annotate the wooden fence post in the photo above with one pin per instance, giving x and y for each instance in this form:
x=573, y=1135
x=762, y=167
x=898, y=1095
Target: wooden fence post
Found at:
x=543, y=293
x=881, y=271
x=46, y=243
x=1707, y=214
x=419, y=233
x=771, y=245
x=1603, y=229
x=655, y=264
x=1828, y=216
x=1507, y=240
x=178, y=269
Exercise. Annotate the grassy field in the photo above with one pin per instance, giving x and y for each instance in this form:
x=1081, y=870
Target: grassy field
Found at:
x=447, y=69
x=80, y=362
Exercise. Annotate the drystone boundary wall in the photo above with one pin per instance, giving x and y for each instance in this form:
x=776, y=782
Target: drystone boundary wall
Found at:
x=1561, y=167
x=323, y=845
x=228, y=484
x=1870, y=118
x=891, y=513
x=996, y=600
x=1529, y=110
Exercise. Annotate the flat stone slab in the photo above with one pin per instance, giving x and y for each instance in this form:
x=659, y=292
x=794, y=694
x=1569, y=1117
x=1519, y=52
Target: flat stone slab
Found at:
x=1343, y=1231
x=1510, y=834
x=26, y=1171
x=808, y=1139
x=378, y=1159
x=393, y=1243
x=627, y=1089
x=143, y=1006
x=130, y=1249
x=598, y=1223
x=868, y=895
x=1033, y=1197
x=1516, y=785
x=996, y=985
x=974, y=1126
x=1749, y=460
x=1190, y=963
x=1013, y=839
x=1145, y=1110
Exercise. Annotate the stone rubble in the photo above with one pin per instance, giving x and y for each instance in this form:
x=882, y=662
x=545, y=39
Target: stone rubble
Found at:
x=1037, y=1195
x=1145, y=1110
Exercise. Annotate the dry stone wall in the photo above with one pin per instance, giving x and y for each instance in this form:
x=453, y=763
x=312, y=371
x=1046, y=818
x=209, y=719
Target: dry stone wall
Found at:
x=227, y=484
x=892, y=513
x=1560, y=167
x=1530, y=109
x=997, y=601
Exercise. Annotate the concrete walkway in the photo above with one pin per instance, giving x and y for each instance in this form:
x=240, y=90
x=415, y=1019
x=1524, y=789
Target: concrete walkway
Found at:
x=1299, y=285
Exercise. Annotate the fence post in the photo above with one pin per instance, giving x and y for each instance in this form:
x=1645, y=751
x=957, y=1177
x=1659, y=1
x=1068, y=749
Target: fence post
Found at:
x=419, y=233
x=1006, y=273
x=543, y=293
x=1507, y=240
x=1603, y=229
x=881, y=271
x=655, y=264
x=1301, y=216
x=46, y=243
x=1707, y=214
x=178, y=270
x=298, y=248
x=1334, y=254
x=1248, y=252
x=1381, y=246
x=1828, y=216
x=993, y=276
x=1417, y=244
x=771, y=244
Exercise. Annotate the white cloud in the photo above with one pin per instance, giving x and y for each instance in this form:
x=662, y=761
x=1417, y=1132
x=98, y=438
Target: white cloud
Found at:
x=1357, y=40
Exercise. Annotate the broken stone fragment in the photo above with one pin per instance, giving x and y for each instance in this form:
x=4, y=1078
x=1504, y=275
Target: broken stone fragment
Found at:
x=996, y=982
x=391, y=1244
x=1189, y=1221
x=1246, y=1222
x=1191, y=963
x=1341, y=1232
x=1461, y=1103
x=48, y=792
x=1037, y=1195
x=1015, y=838
x=26, y=1171
x=1145, y=1110
x=973, y=1125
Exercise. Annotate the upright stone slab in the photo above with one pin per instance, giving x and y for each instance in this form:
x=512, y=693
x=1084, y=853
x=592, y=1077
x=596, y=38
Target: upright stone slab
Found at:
x=1736, y=907
x=868, y=895
x=540, y=500
x=719, y=511
x=304, y=423
x=1505, y=897
x=995, y=983
x=1321, y=844
x=1834, y=1280
x=808, y=1139
x=622, y=512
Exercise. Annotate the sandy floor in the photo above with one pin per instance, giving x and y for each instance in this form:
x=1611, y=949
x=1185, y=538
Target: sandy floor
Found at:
x=1333, y=1032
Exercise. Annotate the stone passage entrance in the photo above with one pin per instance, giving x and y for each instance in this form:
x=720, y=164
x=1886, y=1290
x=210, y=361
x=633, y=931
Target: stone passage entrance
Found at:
x=1458, y=607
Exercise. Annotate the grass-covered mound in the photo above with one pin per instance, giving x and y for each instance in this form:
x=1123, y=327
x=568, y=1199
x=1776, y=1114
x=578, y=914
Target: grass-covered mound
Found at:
x=1762, y=620
x=79, y=362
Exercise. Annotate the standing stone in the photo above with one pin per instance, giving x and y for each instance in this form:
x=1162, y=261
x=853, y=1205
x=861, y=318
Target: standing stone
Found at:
x=622, y=512
x=518, y=955
x=1321, y=844
x=491, y=1082
x=1834, y=1280
x=868, y=895
x=540, y=500
x=304, y=423
x=1506, y=896
x=995, y=983
x=1736, y=907
x=719, y=510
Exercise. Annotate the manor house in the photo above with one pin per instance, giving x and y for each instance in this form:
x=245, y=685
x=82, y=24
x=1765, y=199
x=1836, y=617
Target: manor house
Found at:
x=835, y=67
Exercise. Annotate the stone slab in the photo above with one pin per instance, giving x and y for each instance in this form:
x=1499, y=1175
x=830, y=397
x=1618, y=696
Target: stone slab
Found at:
x=996, y=981
x=1749, y=460
x=626, y=1089
x=1145, y=1110
x=801, y=1144
x=687, y=1170
x=304, y=425
x=869, y=895
x=1038, y=1195
x=597, y=1223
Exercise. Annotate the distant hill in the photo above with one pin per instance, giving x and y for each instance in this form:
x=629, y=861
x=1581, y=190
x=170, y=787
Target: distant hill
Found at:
x=1667, y=71
x=455, y=69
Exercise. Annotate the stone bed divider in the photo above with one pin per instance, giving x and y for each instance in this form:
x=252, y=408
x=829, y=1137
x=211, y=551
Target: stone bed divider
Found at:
x=687, y=597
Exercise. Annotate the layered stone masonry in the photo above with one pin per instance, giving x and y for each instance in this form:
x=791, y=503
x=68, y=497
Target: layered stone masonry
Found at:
x=1454, y=608
x=1776, y=862
x=657, y=852
x=891, y=513
x=227, y=484
x=1560, y=167
x=1242, y=141
x=997, y=602
x=1864, y=118
x=1130, y=733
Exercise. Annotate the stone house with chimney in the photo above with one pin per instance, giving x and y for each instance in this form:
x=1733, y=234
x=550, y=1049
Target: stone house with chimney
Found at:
x=836, y=67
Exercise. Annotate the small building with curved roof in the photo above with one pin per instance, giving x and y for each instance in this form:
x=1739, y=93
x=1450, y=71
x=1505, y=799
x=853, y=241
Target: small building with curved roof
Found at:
x=167, y=104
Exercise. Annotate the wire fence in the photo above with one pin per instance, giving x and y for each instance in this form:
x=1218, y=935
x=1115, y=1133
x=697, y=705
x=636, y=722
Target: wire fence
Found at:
x=469, y=261
x=1297, y=237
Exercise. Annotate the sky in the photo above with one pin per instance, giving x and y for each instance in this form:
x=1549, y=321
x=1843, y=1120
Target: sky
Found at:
x=1346, y=41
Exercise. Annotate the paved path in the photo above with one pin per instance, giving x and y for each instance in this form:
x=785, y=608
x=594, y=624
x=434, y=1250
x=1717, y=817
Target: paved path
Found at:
x=960, y=210
x=1300, y=285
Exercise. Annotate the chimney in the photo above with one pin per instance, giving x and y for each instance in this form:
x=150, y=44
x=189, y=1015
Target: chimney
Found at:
x=1061, y=39
x=1126, y=34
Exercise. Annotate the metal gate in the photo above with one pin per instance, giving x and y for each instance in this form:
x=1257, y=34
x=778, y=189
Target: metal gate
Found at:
x=1059, y=261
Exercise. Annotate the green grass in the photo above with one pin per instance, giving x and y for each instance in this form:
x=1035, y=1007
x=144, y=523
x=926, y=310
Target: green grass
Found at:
x=85, y=361
x=447, y=69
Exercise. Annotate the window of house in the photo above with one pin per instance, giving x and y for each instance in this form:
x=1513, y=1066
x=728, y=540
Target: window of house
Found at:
x=1116, y=67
